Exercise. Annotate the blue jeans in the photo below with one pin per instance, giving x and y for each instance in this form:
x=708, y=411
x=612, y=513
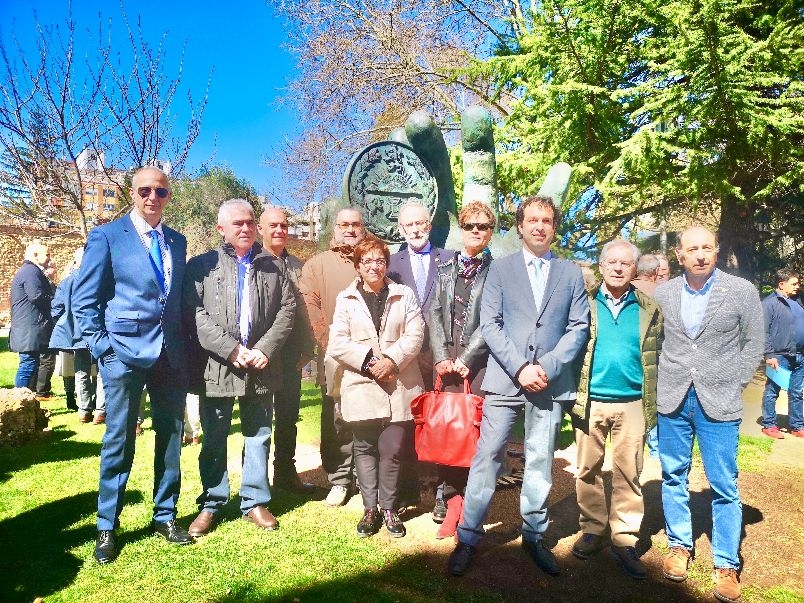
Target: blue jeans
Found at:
x=795, y=419
x=653, y=441
x=542, y=423
x=27, y=371
x=255, y=423
x=717, y=441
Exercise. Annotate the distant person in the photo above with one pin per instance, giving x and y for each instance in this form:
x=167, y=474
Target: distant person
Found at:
x=534, y=317
x=663, y=271
x=127, y=304
x=244, y=310
x=459, y=348
x=784, y=348
x=47, y=359
x=616, y=400
x=298, y=351
x=323, y=277
x=67, y=337
x=713, y=342
x=377, y=331
x=415, y=265
x=31, y=322
x=646, y=271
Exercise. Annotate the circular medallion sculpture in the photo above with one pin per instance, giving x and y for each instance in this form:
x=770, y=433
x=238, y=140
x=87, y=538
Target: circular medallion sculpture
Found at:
x=382, y=178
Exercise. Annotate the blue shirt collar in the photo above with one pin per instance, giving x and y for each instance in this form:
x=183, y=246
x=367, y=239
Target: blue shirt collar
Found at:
x=707, y=285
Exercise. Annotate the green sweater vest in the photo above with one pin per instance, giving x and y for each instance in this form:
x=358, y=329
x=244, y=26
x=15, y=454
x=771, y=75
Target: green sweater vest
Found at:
x=616, y=374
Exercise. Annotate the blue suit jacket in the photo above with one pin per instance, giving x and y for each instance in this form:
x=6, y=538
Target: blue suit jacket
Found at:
x=516, y=334
x=118, y=304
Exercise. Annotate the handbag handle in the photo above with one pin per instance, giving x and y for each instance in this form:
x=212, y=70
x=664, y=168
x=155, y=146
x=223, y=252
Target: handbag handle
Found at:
x=438, y=386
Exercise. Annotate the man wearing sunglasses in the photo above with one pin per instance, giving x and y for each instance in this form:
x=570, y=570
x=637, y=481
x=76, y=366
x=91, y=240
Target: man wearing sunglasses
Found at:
x=127, y=305
x=324, y=276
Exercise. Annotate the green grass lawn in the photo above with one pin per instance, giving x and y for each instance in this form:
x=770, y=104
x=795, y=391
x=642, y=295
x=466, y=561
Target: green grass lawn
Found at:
x=48, y=497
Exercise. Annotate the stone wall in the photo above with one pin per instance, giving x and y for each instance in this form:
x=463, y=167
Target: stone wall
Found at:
x=14, y=239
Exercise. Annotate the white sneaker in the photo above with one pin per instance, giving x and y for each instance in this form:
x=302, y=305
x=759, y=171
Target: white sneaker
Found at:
x=337, y=496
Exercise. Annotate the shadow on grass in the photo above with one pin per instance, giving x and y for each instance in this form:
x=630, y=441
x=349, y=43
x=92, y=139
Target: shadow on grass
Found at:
x=34, y=559
x=49, y=447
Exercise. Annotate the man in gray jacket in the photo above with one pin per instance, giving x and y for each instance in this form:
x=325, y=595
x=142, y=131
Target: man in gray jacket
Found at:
x=243, y=308
x=713, y=342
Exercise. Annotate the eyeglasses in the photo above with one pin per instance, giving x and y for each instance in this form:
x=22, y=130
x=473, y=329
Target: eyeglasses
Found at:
x=379, y=262
x=145, y=192
x=347, y=225
x=481, y=226
x=417, y=224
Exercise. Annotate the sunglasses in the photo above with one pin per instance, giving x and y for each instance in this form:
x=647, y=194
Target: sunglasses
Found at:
x=481, y=226
x=145, y=192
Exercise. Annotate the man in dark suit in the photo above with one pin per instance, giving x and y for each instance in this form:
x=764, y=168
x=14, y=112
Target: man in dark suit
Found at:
x=31, y=325
x=127, y=305
x=534, y=315
x=415, y=265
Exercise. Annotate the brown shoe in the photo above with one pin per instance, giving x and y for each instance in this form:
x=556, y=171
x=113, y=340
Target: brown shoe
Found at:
x=196, y=440
x=202, y=524
x=138, y=430
x=676, y=564
x=187, y=439
x=100, y=419
x=727, y=586
x=262, y=518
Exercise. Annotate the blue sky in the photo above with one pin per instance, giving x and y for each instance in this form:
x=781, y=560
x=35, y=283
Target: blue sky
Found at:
x=241, y=39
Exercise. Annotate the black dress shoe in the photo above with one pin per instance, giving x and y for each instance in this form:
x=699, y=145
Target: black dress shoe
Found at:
x=542, y=557
x=105, y=547
x=439, y=511
x=393, y=524
x=172, y=532
x=291, y=482
x=369, y=524
x=460, y=559
x=628, y=559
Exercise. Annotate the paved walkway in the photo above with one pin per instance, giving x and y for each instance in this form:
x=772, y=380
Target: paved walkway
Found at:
x=788, y=452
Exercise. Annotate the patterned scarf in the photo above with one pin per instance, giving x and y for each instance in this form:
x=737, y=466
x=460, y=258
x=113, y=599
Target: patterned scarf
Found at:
x=468, y=268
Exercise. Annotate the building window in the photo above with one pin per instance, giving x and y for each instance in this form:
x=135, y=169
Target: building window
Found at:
x=89, y=206
x=108, y=192
x=89, y=192
x=108, y=206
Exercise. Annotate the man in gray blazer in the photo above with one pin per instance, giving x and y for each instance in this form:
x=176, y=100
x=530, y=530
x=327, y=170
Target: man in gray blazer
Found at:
x=535, y=318
x=713, y=343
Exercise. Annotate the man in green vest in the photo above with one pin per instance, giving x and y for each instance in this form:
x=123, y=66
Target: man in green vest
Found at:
x=616, y=398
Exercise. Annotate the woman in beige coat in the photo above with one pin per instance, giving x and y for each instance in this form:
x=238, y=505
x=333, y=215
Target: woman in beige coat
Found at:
x=376, y=334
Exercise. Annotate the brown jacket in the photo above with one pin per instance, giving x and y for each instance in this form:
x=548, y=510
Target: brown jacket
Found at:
x=323, y=277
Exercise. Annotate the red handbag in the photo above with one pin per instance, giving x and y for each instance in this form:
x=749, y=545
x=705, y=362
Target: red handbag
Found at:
x=447, y=425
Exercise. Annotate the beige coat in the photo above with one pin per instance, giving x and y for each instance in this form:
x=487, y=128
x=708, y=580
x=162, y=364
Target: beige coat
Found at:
x=352, y=336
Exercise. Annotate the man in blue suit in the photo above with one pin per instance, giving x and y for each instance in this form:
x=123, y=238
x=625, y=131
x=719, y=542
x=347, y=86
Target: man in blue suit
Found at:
x=127, y=305
x=534, y=315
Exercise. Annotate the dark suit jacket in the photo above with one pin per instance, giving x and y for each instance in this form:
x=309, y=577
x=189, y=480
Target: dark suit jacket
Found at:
x=118, y=304
x=31, y=325
x=401, y=271
x=517, y=334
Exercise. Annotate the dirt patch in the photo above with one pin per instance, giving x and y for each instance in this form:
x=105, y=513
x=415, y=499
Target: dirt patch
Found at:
x=772, y=547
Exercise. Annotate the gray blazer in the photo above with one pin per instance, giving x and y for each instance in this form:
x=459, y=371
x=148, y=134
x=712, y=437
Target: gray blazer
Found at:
x=516, y=334
x=400, y=271
x=722, y=358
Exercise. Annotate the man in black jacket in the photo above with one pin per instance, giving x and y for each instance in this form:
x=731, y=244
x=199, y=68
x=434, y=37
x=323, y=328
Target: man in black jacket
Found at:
x=784, y=349
x=243, y=308
x=31, y=325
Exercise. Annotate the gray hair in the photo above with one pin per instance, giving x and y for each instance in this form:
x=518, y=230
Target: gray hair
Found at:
x=229, y=203
x=618, y=243
x=648, y=264
x=408, y=205
x=349, y=208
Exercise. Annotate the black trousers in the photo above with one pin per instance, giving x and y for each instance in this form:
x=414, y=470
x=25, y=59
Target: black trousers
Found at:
x=47, y=365
x=377, y=446
x=286, y=415
x=336, y=443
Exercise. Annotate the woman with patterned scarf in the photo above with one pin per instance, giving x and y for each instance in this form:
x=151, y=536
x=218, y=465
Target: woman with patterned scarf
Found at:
x=459, y=351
